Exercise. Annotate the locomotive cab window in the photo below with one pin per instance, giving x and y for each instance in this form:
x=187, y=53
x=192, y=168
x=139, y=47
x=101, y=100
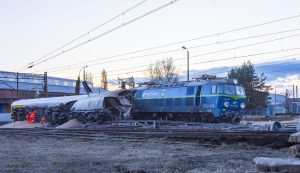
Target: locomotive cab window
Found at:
x=220, y=89
x=229, y=89
x=240, y=90
x=214, y=89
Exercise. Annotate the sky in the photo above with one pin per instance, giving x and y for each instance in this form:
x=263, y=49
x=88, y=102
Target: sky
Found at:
x=33, y=28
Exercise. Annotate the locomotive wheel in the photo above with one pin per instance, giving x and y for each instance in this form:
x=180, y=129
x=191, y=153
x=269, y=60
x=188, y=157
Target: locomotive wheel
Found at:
x=100, y=119
x=236, y=120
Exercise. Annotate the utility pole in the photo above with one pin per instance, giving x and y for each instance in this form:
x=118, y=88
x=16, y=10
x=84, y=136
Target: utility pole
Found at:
x=293, y=92
x=188, y=63
x=275, y=102
x=45, y=85
x=17, y=85
x=286, y=102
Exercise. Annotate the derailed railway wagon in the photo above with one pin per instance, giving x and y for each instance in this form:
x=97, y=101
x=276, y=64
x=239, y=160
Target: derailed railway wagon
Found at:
x=216, y=100
x=108, y=105
x=54, y=109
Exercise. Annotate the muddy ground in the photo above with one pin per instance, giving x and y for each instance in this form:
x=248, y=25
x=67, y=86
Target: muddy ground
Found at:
x=118, y=154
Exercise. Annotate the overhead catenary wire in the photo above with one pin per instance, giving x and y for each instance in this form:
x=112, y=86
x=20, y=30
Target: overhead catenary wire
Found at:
x=260, y=66
x=107, y=32
x=292, y=17
x=226, y=69
x=209, y=61
x=67, y=67
x=257, y=67
x=223, y=59
x=85, y=34
x=215, y=52
x=229, y=67
x=202, y=37
x=133, y=52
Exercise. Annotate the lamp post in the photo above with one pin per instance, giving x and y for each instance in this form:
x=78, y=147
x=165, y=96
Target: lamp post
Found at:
x=188, y=63
x=83, y=68
x=30, y=65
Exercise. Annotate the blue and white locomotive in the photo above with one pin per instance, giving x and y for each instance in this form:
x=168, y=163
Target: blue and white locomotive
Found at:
x=212, y=100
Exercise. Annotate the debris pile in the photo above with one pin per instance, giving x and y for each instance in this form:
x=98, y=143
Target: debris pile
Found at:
x=264, y=164
x=70, y=124
x=290, y=165
x=294, y=151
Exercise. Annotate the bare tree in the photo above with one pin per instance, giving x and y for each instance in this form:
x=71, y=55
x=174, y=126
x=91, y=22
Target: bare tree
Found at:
x=104, y=83
x=89, y=78
x=162, y=71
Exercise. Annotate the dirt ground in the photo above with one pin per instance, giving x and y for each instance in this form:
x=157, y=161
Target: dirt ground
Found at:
x=116, y=154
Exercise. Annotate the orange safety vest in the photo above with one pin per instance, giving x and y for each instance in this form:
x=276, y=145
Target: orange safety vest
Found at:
x=43, y=120
x=31, y=117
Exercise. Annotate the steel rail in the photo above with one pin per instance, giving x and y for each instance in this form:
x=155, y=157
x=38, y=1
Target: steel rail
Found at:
x=260, y=138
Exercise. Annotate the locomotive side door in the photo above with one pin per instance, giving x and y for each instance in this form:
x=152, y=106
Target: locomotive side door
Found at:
x=198, y=98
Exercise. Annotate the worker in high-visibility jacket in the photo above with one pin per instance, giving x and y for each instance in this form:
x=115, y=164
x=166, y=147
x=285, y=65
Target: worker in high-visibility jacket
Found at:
x=31, y=117
x=43, y=120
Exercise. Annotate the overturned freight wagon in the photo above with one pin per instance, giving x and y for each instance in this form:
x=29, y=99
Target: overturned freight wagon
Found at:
x=86, y=108
x=111, y=105
x=55, y=109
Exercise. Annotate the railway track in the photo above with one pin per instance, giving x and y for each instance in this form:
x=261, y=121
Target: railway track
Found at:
x=276, y=139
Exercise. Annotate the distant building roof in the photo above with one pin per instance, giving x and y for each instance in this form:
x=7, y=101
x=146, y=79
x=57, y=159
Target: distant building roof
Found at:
x=34, y=82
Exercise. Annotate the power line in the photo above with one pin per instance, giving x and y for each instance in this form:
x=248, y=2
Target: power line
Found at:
x=209, y=61
x=262, y=66
x=223, y=59
x=107, y=32
x=87, y=33
x=176, y=50
x=219, y=51
x=193, y=39
x=243, y=56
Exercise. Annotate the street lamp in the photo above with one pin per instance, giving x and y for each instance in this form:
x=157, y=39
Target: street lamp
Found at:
x=83, y=68
x=30, y=65
x=188, y=63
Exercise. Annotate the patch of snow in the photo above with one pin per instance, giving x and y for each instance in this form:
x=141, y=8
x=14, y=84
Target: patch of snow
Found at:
x=96, y=101
x=90, y=103
x=4, y=117
x=276, y=162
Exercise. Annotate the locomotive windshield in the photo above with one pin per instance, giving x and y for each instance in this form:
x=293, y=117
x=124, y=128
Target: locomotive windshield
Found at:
x=223, y=89
x=239, y=90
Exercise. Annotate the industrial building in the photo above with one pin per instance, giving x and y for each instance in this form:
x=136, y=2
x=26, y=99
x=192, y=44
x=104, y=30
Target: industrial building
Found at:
x=15, y=86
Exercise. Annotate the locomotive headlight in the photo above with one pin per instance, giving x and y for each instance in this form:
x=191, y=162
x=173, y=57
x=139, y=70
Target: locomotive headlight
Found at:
x=226, y=104
x=243, y=105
